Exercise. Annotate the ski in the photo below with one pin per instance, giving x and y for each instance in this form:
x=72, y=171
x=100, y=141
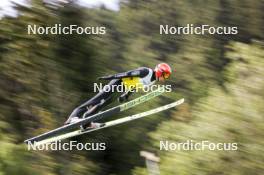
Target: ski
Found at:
x=110, y=123
x=98, y=116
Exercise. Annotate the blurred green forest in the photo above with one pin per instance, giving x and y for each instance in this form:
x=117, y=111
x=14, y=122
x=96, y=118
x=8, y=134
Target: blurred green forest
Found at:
x=44, y=77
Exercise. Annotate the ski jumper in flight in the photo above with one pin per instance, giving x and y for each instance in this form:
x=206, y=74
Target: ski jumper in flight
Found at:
x=132, y=79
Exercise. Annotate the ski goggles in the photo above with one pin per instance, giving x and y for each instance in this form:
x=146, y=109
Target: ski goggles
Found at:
x=165, y=75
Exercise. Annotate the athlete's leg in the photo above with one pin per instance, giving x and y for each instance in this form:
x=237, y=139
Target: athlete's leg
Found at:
x=94, y=104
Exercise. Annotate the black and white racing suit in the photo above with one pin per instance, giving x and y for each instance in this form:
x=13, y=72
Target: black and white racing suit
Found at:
x=141, y=76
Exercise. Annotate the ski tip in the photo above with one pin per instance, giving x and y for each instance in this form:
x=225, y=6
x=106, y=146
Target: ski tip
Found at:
x=180, y=101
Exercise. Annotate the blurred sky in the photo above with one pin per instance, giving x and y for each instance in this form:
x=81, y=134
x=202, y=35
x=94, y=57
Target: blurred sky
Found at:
x=6, y=5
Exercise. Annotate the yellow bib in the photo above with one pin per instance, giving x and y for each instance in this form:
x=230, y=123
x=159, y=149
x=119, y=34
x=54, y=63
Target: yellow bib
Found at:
x=132, y=82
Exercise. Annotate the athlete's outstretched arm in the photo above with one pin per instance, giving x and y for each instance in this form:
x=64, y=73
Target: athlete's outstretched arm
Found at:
x=140, y=72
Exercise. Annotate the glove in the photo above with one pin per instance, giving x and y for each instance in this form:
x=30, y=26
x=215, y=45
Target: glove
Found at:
x=123, y=98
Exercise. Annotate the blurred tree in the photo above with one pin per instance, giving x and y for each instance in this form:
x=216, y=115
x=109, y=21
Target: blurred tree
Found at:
x=232, y=116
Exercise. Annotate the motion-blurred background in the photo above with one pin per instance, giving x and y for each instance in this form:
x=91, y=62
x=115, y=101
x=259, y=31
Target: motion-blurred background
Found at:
x=43, y=77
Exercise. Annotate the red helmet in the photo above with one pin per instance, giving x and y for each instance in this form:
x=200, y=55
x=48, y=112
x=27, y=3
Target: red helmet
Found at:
x=162, y=70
